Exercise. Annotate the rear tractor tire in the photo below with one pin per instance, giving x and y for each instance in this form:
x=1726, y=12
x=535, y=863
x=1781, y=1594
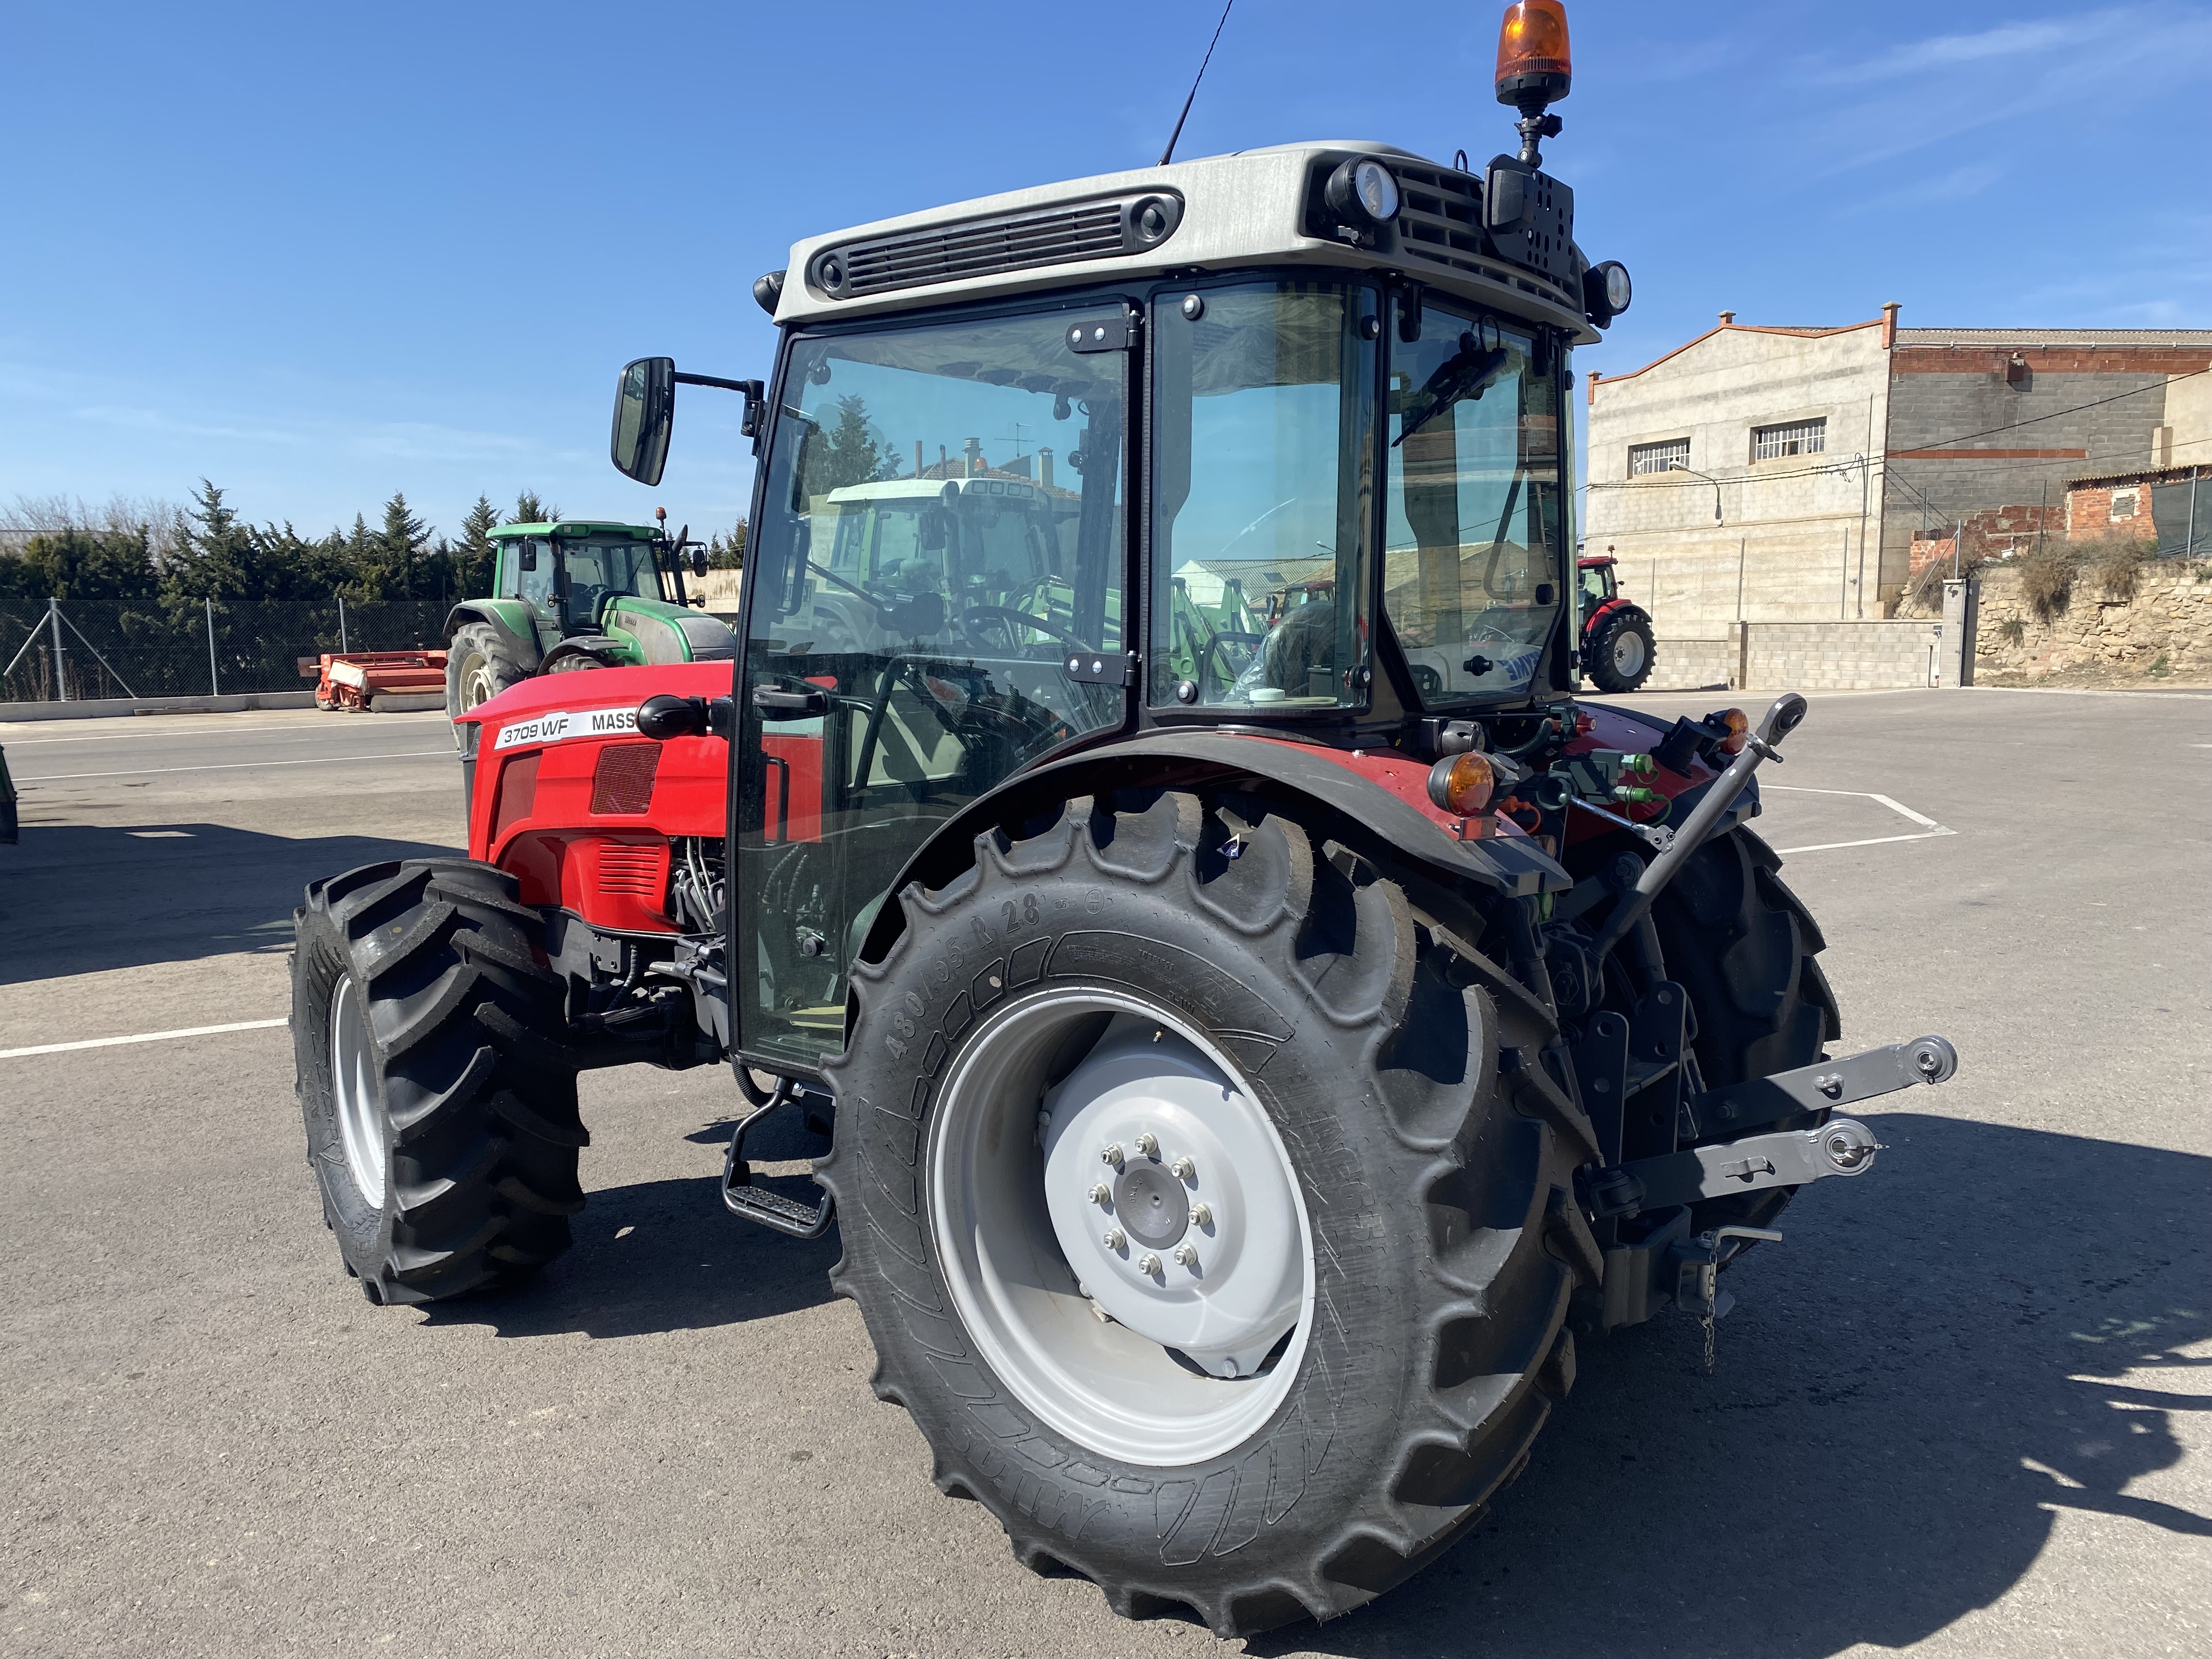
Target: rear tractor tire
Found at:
x=1209, y=1215
x=441, y=1110
x=1622, y=653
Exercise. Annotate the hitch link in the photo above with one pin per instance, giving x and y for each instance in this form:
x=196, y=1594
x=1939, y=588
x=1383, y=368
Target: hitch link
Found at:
x=1783, y=719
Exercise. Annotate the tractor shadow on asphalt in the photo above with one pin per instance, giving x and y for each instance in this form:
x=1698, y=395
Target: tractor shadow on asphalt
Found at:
x=664, y=1255
x=84, y=898
x=1935, y=1363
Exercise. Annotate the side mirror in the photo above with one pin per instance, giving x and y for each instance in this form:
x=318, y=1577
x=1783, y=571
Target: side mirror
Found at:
x=1545, y=592
x=934, y=520
x=644, y=410
x=527, y=558
x=698, y=560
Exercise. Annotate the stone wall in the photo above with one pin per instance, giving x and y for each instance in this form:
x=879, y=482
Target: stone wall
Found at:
x=2170, y=617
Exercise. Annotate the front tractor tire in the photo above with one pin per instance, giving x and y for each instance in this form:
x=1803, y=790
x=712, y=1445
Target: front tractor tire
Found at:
x=440, y=1112
x=1270, y=1359
x=1622, y=652
x=480, y=664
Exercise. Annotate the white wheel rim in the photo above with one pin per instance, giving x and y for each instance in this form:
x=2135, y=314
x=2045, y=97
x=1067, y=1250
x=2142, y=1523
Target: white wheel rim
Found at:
x=476, y=683
x=1628, y=653
x=1015, y=1230
x=353, y=1084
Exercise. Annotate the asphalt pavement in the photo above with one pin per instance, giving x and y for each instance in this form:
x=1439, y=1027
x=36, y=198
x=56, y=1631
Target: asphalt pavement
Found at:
x=1961, y=1410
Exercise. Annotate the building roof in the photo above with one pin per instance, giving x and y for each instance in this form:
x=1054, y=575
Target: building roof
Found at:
x=1801, y=331
x=2105, y=337
x=2160, y=475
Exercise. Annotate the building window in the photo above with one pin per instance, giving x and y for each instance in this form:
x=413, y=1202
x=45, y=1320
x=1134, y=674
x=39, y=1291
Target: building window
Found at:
x=2123, y=505
x=1772, y=443
x=1658, y=458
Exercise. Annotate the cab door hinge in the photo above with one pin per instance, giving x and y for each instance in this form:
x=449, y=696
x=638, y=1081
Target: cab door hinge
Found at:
x=1102, y=669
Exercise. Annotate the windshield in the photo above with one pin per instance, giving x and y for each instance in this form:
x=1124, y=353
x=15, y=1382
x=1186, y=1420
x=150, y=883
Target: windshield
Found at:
x=596, y=570
x=942, y=532
x=1262, y=489
x=1472, y=547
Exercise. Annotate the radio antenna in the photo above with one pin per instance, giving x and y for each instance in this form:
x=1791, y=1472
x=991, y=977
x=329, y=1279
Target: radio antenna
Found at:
x=1167, y=154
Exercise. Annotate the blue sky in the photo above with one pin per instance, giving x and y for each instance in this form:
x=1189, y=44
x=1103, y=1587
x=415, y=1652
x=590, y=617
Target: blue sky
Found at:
x=319, y=254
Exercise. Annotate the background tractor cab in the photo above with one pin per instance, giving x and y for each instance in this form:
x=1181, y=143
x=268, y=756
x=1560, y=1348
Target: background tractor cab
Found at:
x=1617, y=650
x=578, y=594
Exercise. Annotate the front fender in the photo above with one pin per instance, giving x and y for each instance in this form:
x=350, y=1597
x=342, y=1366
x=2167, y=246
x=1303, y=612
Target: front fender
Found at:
x=1379, y=795
x=511, y=619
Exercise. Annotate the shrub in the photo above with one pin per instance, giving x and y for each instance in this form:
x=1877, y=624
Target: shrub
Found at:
x=2046, y=579
x=2119, y=572
x=2013, y=631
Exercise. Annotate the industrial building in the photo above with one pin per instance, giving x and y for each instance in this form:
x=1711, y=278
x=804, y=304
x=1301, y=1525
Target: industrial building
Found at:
x=1804, y=474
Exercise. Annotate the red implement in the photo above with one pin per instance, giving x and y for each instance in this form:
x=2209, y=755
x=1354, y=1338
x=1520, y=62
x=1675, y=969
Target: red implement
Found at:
x=356, y=679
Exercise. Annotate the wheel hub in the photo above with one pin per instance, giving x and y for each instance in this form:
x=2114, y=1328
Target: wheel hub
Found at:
x=1127, y=1246
x=1151, y=1204
x=1190, y=1142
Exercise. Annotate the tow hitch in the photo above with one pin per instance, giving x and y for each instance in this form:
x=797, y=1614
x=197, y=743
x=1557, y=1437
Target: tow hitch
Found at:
x=1645, y=1203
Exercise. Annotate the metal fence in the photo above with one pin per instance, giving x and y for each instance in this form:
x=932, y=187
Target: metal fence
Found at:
x=81, y=651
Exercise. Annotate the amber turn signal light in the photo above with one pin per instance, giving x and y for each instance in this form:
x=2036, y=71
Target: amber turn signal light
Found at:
x=1462, y=784
x=1534, y=64
x=1739, y=727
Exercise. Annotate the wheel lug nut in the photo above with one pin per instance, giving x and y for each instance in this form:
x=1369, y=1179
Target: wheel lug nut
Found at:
x=1149, y=1144
x=1148, y=1264
x=1100, y=1193
x=1187, y=1253
x=1183, y=1170
x=1112, y=1155
x=1202, y=1214
x=1114, y=1238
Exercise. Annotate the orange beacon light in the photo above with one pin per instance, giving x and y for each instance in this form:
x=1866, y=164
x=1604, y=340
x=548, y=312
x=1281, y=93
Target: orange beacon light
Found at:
x=1535, y=67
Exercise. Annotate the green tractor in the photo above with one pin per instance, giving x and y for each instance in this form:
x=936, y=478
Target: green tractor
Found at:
x=575, y=595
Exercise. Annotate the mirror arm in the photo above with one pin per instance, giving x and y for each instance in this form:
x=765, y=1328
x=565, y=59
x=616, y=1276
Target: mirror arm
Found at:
x=750, y=427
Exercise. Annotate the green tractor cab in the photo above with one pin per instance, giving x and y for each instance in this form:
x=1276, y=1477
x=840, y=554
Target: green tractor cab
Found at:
x=577, y=595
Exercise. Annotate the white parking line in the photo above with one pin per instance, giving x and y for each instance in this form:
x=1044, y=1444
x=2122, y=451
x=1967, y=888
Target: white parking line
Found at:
x=146, y=733
x=230, y=766
x=1929, y=833
x=144, y=1036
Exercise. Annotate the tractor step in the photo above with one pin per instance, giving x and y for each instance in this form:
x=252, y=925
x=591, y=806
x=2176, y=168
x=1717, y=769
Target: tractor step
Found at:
x=762, y=1204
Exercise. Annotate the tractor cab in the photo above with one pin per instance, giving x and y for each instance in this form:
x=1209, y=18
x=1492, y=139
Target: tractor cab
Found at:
x=1599, y=587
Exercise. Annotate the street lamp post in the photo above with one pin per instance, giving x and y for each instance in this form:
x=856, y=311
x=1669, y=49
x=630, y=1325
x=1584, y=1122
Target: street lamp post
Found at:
x=1677, y=466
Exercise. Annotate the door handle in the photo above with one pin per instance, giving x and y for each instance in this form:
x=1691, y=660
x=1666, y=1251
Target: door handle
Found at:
x=777, y=702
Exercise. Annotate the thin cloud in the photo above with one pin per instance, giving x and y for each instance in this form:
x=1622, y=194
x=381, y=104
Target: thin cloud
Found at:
x=1946, y=51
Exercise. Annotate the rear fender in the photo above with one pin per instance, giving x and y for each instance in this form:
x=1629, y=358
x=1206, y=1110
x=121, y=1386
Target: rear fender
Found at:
x=511, y=618
x=1377, y=797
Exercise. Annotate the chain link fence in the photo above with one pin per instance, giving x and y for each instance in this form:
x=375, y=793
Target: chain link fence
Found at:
x=83, y=650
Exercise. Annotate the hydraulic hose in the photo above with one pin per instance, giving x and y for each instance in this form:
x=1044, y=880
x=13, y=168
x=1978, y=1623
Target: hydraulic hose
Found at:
x=1784, y=718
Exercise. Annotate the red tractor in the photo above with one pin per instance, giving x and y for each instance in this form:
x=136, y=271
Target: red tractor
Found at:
x=1618, y=651
x=1241, y=1094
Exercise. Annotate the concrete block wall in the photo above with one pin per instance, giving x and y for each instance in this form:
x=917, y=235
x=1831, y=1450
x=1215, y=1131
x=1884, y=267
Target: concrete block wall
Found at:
x=1867, y=656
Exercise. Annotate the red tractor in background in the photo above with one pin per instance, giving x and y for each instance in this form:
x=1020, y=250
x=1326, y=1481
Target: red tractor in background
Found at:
x=1243, y=1080
x=1617, y=651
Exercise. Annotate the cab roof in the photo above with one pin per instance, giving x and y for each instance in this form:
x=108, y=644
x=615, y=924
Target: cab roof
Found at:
x=1254, y=208
x=636, y=532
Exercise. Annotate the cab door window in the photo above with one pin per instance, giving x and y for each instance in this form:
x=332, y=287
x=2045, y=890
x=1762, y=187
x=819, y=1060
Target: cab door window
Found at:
x=1474, y=526
x=536, y=584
